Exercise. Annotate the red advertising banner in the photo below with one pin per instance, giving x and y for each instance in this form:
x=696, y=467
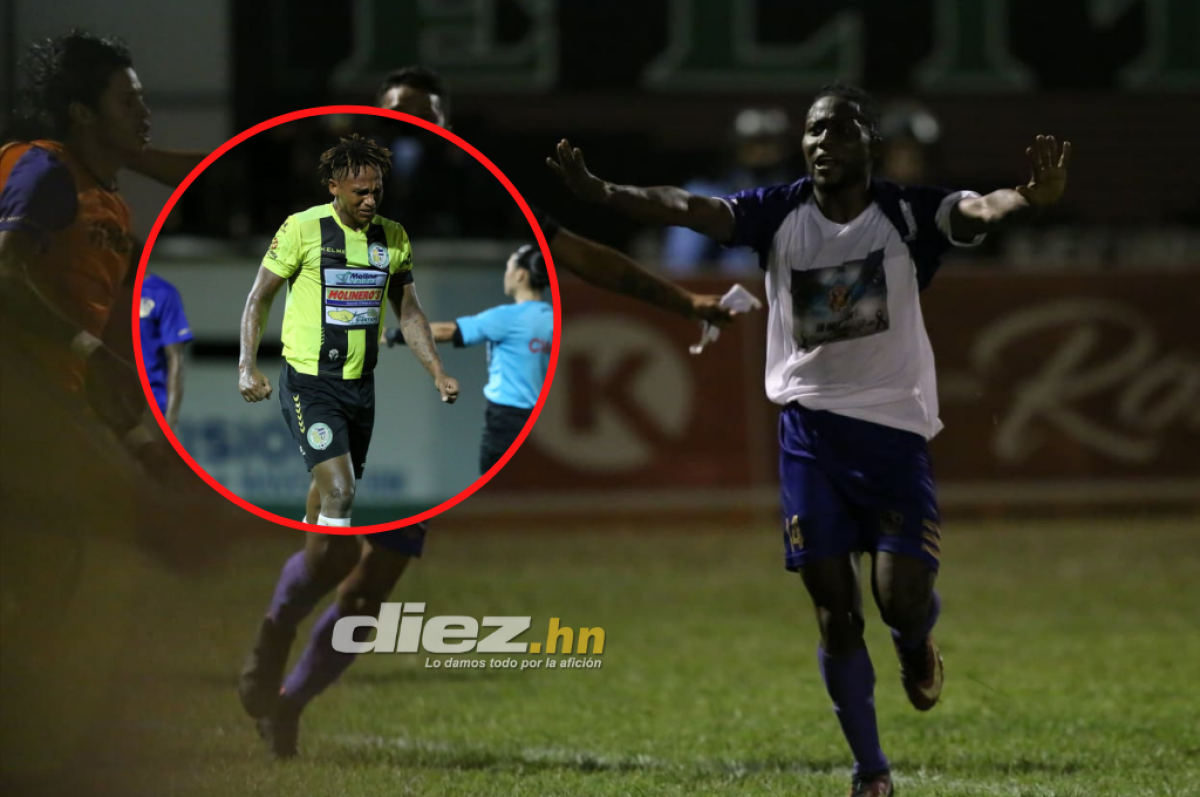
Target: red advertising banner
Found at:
x=1062, y=389
x=632, y=409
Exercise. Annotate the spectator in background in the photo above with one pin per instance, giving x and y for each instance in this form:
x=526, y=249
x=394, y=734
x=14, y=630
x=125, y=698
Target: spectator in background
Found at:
x=762, y=153
x=910, y=139
x=436, y=189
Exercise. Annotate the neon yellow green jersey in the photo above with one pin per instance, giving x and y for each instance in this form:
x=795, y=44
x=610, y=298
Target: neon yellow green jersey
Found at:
x=337, y=285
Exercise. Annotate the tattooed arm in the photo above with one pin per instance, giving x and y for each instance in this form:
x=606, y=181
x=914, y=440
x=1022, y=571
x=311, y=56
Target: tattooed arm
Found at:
x=419, y=337
x=607, y=268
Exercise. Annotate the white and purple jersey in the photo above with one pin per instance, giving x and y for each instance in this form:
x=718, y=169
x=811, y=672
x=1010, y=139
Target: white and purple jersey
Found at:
x=845, y=331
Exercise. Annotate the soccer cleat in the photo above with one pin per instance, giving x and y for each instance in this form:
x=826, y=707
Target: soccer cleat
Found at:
x=876, y=785
x=281, y=729
x=262, y=674
x=922, y=674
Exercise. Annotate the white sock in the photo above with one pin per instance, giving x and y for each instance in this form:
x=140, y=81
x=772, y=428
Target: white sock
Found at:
x=332, y=521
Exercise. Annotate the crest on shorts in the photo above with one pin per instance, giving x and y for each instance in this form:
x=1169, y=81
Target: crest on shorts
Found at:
x=377, y=256
x=147, y=308
x=890, y=523
x=320, y=436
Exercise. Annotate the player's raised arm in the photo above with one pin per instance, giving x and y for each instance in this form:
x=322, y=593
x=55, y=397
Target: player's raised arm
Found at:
x=611, y=270
x=414, y=328
x=167, y=166
x=1048, y=164
x=662, y=205
x=252, y=383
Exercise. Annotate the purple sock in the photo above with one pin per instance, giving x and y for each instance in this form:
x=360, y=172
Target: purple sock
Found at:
x=296, y=594
x=320, y=665
x=909, y=645
x=850, y=680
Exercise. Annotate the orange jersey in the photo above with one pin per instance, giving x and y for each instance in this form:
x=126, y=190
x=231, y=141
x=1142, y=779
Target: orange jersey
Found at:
x=83, y=230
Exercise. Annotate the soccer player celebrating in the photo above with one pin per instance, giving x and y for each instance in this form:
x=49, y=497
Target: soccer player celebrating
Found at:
x=849, y=361
x=165, y=331
x=339, y=261
x=518, y=338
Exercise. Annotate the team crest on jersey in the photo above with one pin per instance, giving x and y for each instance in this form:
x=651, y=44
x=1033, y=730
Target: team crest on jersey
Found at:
x=377, y=256
x=333, y=355
x=320, y=436
x=147, y=308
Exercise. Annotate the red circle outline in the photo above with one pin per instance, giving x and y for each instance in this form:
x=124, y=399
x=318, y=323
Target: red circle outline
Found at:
x=212, y=158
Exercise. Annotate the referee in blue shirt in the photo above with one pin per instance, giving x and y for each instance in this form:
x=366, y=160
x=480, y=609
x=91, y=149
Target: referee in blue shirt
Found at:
x=518, y=338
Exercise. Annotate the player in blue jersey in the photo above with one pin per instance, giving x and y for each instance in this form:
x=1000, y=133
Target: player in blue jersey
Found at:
x=848, y=360
x=165, y=331
x=518, y=338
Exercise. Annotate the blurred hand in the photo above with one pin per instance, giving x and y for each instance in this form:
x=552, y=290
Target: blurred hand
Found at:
x=573, y=171
x=448, y=387
x=114, y=390
x=1048, y=172
x=253, y=385
x=708, y=308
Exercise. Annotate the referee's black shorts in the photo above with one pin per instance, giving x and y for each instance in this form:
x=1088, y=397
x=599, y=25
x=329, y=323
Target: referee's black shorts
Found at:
x=502, y=425
x=329, y=417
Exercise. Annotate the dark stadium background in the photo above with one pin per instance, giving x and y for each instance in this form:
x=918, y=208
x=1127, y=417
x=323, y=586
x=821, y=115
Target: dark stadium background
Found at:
x=645, y=499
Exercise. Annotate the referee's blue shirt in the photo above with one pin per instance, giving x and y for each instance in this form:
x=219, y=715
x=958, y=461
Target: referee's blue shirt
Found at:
x=518, y=338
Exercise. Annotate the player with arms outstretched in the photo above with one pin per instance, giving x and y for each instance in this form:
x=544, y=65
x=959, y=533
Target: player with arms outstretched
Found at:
x=339, y=261
x=849, y=361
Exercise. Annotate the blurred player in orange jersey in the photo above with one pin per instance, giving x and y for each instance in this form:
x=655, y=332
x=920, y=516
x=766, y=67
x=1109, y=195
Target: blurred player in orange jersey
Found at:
x=65, y=240
x=79, y=510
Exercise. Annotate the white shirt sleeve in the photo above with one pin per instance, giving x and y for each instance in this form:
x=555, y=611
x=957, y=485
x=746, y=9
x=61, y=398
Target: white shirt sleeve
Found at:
x=943, y=218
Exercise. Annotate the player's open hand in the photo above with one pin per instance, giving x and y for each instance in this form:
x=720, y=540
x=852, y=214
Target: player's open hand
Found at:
x=114, y=391
x=1048, y=164
x=568, y=164
x=448, y=387
x=708, y=308
x=254, y=385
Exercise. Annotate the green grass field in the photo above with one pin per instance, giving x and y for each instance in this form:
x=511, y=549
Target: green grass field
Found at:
x=1071, y=649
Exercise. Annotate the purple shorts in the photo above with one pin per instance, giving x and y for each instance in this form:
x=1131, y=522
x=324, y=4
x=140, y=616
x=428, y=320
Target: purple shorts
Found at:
x=850, y=485
x=409, y=540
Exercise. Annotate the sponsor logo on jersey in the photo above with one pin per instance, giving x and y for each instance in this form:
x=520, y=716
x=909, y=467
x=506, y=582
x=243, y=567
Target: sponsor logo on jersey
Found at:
x=356, y=277
x=353, y=296
x=365, y=316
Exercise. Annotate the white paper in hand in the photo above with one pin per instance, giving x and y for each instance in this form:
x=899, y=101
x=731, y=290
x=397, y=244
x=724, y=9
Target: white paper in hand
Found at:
x=737, y=299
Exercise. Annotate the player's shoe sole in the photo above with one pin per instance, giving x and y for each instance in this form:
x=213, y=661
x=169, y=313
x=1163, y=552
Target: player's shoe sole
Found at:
x=922, y=674
x=262, y=674
x=877, y=785
x=281, y=730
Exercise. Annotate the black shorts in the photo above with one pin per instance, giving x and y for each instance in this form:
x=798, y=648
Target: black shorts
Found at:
x=502, y=425
x=329, y=417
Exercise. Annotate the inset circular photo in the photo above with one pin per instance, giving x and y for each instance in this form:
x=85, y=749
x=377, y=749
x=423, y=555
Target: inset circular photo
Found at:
x=343, y=358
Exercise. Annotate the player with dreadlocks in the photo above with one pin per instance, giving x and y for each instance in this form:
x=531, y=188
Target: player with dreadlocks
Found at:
x=339, y=261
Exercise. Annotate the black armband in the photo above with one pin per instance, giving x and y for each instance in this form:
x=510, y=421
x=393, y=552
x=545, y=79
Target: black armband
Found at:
x=394, y=336
x=457, y=340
